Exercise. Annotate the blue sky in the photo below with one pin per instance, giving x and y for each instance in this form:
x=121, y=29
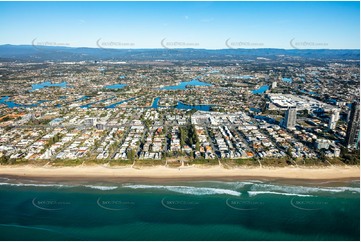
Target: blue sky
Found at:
x=210, y=25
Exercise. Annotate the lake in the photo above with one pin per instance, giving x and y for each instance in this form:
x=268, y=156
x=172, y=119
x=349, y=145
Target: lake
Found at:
x=47, y=84
x=11, y=104
x=261, y=89
x=184, y=106
x=115, y=86
x=180, y=105
x=183, y=85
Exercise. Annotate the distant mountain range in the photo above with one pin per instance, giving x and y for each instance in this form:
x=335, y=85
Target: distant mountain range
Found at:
x=53, y=53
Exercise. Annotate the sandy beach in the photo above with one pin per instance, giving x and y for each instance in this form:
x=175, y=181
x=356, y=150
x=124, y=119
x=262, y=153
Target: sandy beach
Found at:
x=161, y=172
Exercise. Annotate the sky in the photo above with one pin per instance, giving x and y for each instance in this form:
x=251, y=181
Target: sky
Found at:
x=206, y=25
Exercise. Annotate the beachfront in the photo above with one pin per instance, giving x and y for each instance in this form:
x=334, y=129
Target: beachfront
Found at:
x=193, y=172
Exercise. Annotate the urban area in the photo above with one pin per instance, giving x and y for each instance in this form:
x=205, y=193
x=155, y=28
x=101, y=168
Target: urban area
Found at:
x=265, y=112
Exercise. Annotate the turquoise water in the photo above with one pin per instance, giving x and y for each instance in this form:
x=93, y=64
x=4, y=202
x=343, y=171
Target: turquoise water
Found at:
x=182, y=85
x=261, y=89
x=115, y=86
x=47, y=84
x=11, y=104
x=183, y=106
x=155, y=103
x=199, y=210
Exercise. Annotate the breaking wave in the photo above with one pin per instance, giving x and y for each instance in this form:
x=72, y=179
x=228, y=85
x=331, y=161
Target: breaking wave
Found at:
x=187, y=189
x=254, y=193
x=33, y=185
x=103, y=188
x=301, y=189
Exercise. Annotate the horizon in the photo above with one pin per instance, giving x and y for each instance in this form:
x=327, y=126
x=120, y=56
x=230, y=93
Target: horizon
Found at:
x=180, y=121
x=183, y=25
x=162, y=48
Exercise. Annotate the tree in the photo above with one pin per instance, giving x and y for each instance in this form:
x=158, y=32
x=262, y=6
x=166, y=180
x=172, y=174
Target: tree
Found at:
x=4, y=159
x=182, y=136
x=289, y=152
x=169, y=136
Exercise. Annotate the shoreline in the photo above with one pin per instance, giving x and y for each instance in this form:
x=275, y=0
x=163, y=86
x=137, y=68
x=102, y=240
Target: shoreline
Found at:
x=161, y=173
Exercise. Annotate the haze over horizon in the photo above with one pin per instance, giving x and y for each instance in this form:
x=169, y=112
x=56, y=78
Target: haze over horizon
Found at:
x=198, y=25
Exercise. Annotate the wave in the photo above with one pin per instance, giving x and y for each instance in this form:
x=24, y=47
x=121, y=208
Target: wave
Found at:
x=33, y=184
x=187, y=189
x=235, y=188
x=98, y=187
x=103, y=188
x=302, y=189
x=255, y=193
x=235, y=185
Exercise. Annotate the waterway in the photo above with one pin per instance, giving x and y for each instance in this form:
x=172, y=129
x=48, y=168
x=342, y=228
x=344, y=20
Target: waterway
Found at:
x=116, y=86
x=183, y=85
x=183, y=106
x=47, y=84
x=261, y=89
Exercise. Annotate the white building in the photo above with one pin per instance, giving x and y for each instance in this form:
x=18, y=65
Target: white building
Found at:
x=335, y=116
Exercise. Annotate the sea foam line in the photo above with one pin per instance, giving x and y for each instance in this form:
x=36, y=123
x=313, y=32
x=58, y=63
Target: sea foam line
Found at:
x=32, y=185
x=103, y=188
x=187, y=189
x=301, y=189
x=255, y=193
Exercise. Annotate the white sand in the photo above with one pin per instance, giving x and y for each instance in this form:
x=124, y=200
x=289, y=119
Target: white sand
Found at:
x=321, y=173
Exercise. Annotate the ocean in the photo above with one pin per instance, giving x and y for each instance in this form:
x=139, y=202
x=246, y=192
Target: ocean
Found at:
x=174, y=210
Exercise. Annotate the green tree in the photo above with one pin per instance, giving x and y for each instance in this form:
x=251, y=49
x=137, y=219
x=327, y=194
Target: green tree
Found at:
x=131, y=154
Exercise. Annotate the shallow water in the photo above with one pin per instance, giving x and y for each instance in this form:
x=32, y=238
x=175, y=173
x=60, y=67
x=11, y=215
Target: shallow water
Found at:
x=199, y=210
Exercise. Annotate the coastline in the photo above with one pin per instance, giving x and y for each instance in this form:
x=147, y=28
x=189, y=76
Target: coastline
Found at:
x=90, y=173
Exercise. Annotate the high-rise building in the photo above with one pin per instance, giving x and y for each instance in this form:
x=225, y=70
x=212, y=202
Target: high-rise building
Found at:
x=335, y=116
x=290, y=118
x=274, y=85
x=353, y=127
